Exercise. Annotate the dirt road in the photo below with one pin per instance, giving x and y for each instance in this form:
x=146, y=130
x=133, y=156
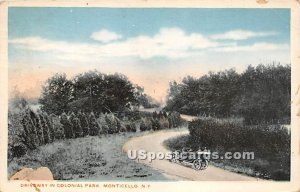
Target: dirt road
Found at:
x=153, y=142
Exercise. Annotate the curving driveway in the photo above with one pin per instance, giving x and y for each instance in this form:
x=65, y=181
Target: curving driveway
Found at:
x=153, y=142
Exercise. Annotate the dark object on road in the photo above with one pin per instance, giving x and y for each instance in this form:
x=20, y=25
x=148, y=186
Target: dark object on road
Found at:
x=198, y=160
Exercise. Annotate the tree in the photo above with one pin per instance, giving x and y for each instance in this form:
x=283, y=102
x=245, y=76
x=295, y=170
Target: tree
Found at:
x=84, y=123
x=94, y=91
x=93, y=125
x=88, y=92
x=174, y=99
x=76, y=125
x=67, y=126
x=260, y=94
x=119, y=93
x=143, y=99
x=56, y=94
x=264, y=94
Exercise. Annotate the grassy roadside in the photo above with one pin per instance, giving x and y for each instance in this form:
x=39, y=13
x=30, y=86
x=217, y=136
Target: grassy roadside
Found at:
x=91, y=157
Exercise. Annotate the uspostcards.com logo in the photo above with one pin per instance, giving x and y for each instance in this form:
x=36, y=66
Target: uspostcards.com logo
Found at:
x=199, y=157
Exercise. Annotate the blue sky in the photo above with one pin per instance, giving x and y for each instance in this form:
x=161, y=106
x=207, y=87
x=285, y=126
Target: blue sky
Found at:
x=76, y=24
x=150, y=46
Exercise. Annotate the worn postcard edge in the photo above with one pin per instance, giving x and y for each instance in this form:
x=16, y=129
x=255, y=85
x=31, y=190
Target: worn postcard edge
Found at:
x=293, y=5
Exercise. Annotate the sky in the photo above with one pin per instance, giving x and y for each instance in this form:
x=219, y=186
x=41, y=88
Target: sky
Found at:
x=151, y=46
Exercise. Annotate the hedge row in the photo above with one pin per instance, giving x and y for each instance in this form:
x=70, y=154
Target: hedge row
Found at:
x=270, y=143
x=160, y=120
x=28, y=130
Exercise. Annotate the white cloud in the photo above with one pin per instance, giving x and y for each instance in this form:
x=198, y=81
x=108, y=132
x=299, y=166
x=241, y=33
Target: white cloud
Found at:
x=254, y=47
x=241, y=35
x=105, y=36
x=45, y=45
x=168, y=42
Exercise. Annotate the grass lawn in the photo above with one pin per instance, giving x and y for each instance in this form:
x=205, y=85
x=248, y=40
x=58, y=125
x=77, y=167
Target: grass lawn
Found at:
x=94, y=158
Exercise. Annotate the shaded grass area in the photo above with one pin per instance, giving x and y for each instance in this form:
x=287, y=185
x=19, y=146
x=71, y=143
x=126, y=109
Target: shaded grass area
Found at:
x=91, y=157
x=270, y=144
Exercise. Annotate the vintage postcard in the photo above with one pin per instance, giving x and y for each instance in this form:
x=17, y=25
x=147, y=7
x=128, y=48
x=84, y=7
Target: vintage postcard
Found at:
x=150, y=95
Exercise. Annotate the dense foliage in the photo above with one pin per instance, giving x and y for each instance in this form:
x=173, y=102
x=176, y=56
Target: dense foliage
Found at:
x=91, y=91
x=270, y=144
x=56, y=94
x=28, y=129
x=260, y=94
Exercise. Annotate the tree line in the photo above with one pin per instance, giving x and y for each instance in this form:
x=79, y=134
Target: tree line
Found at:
x=92, y=92
x=260, y=94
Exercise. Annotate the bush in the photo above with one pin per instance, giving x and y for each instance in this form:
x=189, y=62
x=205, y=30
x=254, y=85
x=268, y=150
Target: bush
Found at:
x=103, y=124
x=50, y=128
x=28, y=122
x=155, y=124
x=16, y=137
x=128, y=127
x=163, y=123
x=44, y=129
x=57, y=127
x=67, y=126
x=212, y=133
x=159, y=121
x=93, y=125
x=113, y=123
x=84, y=124
x=270, y=143
x=146, y=124
x=76, y=125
